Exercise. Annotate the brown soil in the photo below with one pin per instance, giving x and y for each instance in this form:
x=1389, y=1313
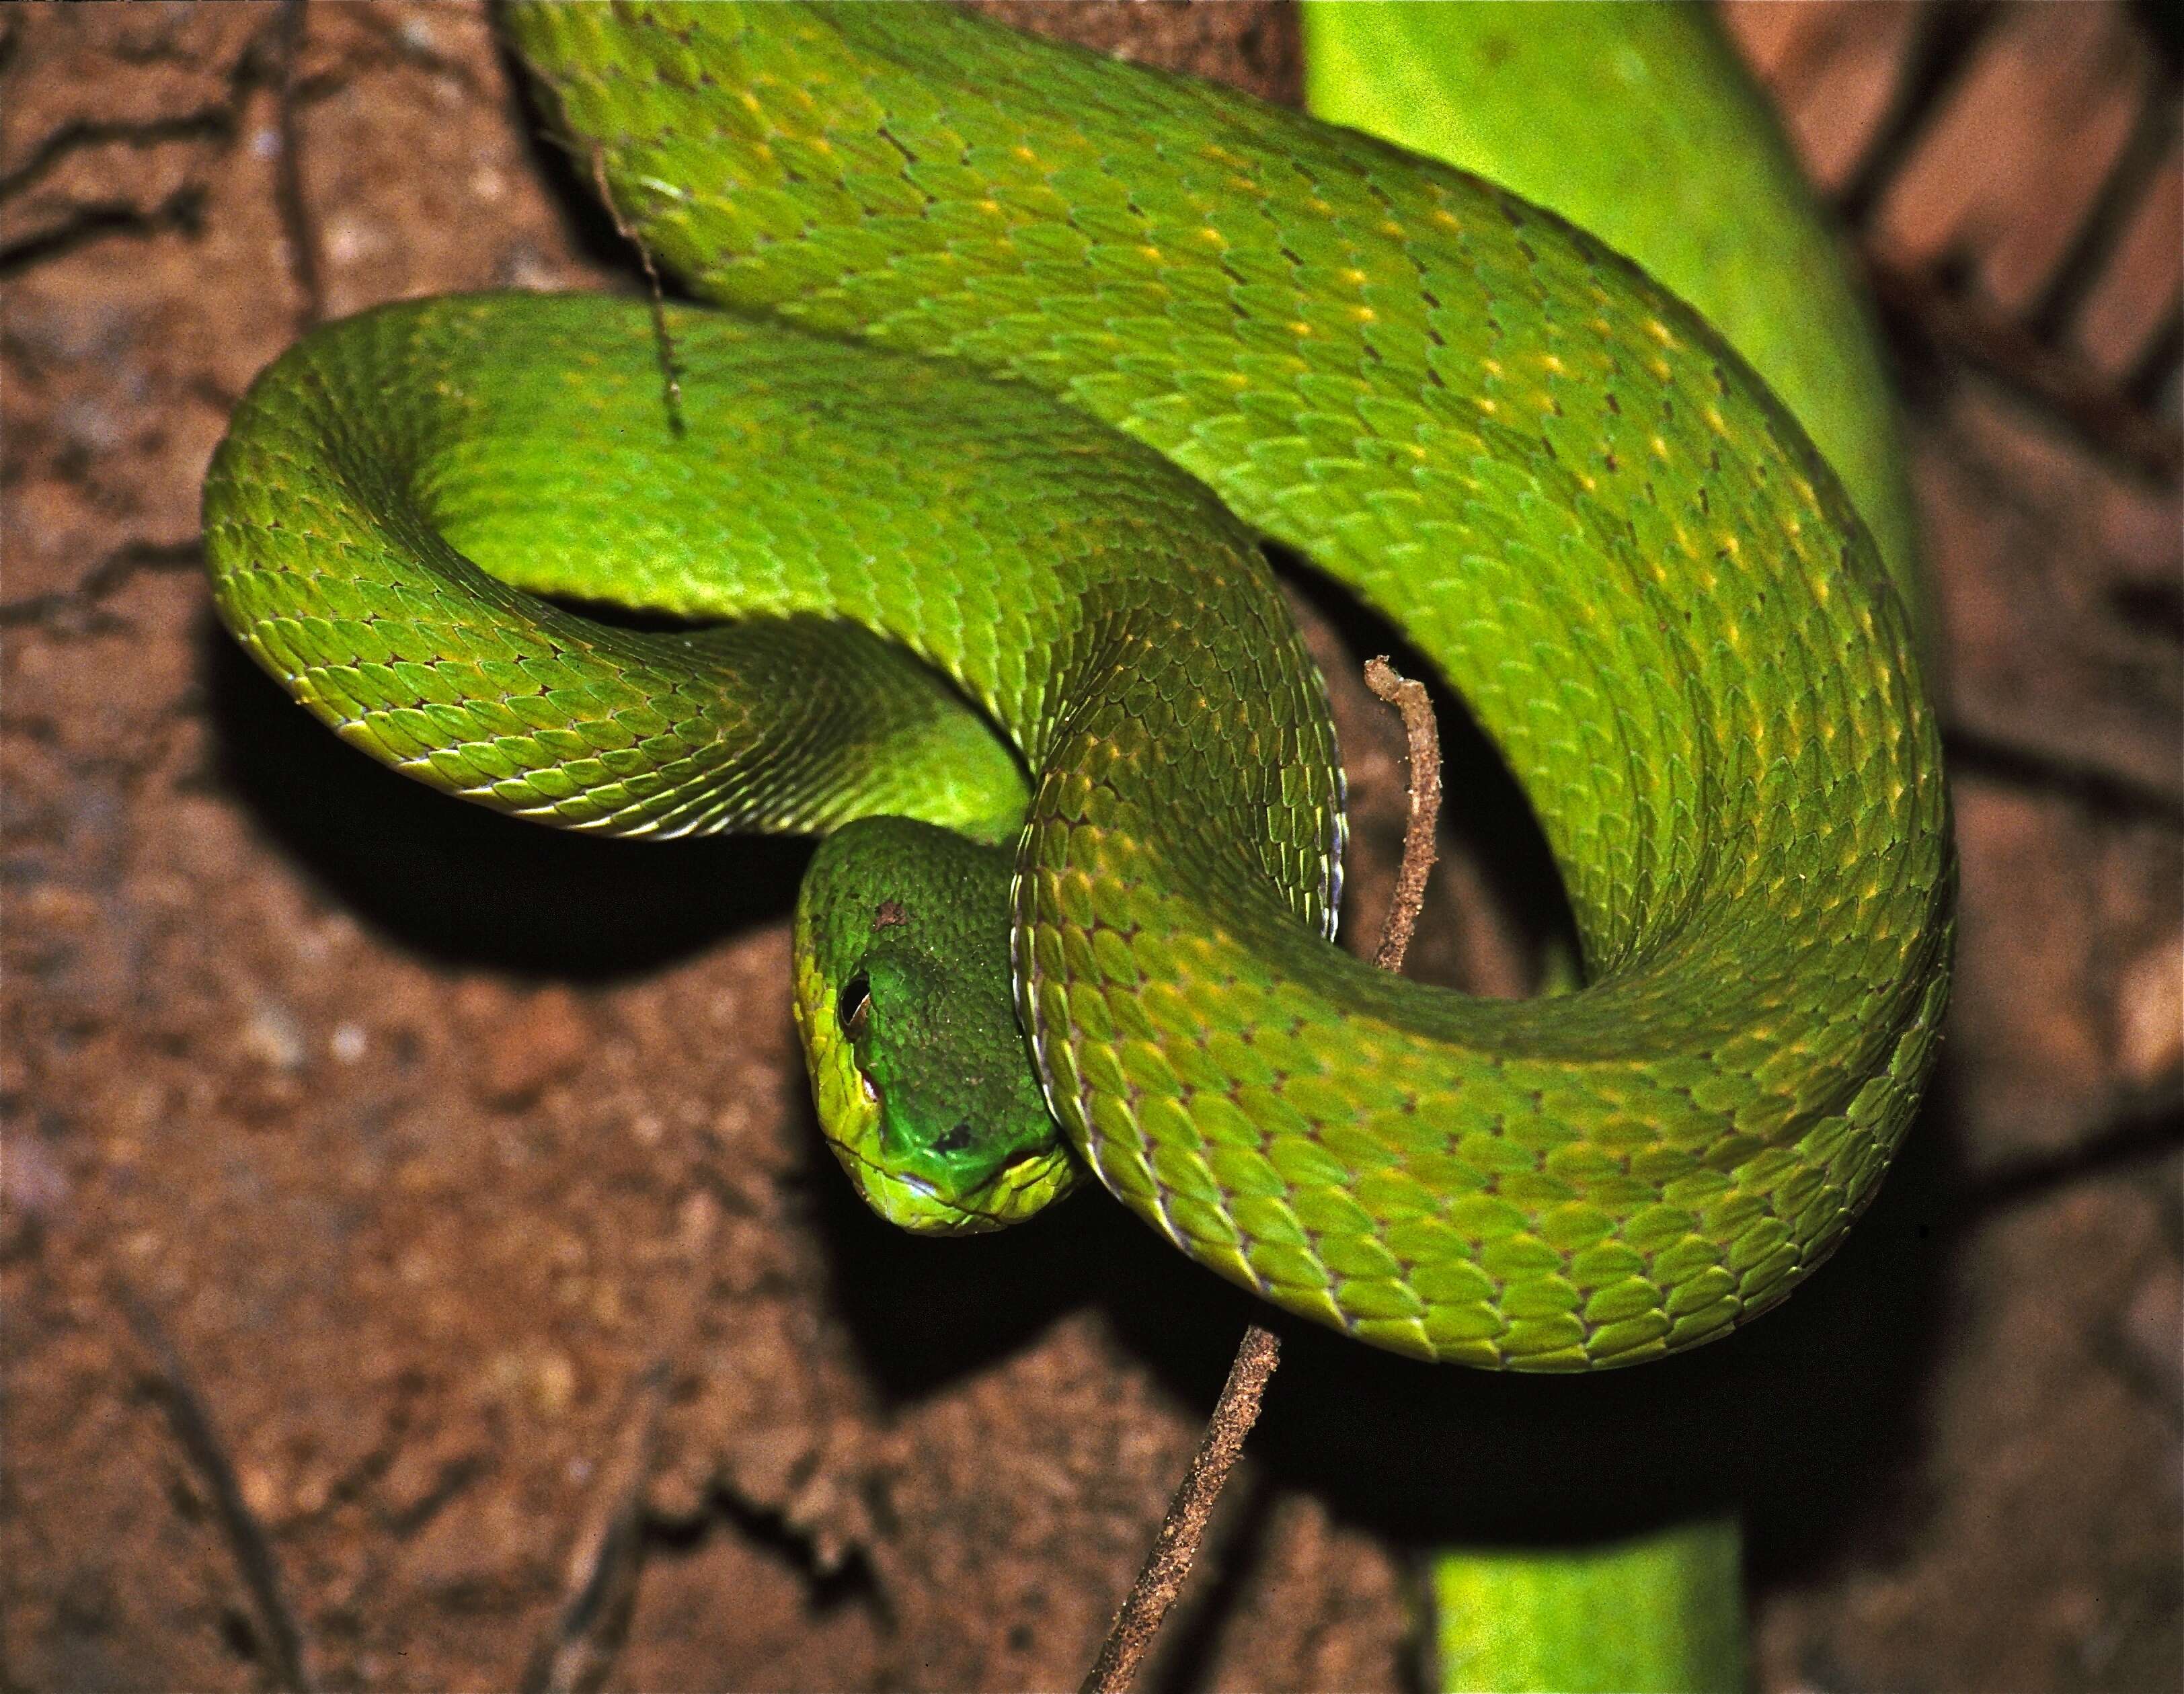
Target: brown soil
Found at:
x=449, y=1180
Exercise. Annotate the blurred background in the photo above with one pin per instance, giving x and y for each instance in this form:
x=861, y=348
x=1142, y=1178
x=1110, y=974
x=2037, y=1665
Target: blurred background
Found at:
x=402, y=1290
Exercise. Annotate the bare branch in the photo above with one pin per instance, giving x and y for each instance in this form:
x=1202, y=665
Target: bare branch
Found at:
x=1176, y=1546
x=1423, y=735
x=280, y=1637
x=668, y=374
x=577, y=1648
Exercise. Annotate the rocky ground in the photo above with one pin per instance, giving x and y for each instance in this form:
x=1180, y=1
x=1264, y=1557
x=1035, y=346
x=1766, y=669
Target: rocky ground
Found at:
x=393, y=1192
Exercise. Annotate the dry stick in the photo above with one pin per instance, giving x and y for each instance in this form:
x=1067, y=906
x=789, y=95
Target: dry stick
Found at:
x=577, y=1648
x=296, y=223
x=667, y=372
x=1176, y=1545
x=280, y=1643
x=1410, y=699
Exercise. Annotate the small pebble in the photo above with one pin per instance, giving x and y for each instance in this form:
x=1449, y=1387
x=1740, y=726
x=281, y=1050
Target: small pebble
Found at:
x=274, y=1038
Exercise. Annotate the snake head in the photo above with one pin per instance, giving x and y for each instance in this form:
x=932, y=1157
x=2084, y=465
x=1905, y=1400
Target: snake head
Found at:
x=925, y=1086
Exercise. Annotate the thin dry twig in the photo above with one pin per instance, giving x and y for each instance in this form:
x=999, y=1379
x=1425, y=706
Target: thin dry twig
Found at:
x=280, y=1637
x=1175, y=1548
x=1423, y=735
x=668, y=374
x=296, y=222
x=577, y=1647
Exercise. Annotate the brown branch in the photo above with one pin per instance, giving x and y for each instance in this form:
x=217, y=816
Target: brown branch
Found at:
x=1419, y=730
x=1175, y=1548
x=280, y=1637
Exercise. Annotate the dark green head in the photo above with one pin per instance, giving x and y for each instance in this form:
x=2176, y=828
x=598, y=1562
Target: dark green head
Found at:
x=924, y=1084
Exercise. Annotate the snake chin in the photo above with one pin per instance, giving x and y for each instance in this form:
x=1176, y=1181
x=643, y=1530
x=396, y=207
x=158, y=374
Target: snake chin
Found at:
x=920, y=1205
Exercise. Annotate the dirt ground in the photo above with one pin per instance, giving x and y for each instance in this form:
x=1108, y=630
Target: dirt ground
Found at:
x=395, y=1191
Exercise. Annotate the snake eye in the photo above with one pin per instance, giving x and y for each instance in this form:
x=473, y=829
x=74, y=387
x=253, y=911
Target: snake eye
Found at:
x=853, y=1007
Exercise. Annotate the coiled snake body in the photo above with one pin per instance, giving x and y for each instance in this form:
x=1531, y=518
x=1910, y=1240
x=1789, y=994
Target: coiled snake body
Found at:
x=1116, y=325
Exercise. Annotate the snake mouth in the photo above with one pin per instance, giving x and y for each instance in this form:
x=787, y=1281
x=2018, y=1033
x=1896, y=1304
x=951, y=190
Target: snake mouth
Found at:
x=916, y=1203
x=910, y=1202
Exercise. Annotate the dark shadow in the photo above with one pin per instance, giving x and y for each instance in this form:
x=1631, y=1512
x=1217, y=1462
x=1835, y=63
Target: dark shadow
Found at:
x=464, y=886
x=827, y=1586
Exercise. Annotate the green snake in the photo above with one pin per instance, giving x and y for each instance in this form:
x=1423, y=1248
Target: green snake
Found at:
x=960, y=509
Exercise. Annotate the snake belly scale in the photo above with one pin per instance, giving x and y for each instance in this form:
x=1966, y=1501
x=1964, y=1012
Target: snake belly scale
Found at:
x=1114, y=325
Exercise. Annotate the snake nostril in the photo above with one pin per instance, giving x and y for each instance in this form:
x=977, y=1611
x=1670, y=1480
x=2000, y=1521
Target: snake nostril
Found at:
x=955, y=1140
